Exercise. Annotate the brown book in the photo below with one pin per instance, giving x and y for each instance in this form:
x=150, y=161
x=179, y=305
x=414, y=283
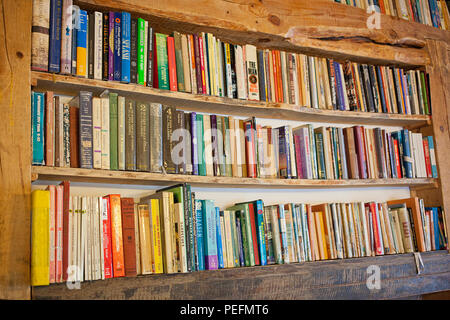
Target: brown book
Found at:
x=128, y=236
x=74, y=139
x=351, y=156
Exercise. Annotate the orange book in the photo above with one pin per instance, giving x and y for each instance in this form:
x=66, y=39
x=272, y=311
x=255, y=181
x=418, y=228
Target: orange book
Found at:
x=275, y=75
x=318, y=212
x=173, y=84
x=279, y=78
x=116, y=236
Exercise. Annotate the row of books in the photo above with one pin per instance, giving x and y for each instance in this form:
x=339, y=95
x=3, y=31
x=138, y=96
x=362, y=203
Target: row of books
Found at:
x=84, y=237
x=430, y=12
x=116, y=133
x=114, y=46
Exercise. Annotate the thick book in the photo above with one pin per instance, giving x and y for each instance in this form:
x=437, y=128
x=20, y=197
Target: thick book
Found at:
x=96, y=133
x=168, y=118
x=162, y=61
x=125, y=47
x=113, y=131
x=66, y=37
x=105, y=47
x=130, y=135
x=84, y=101
x=172, y=65
x=54, y=51
x=40, y=206
x=156, y=152
x=142, y=136
x=128, y=236
x=252, y=72
x=179, y=63
x=116, y=236
x=40, y=26
x=74, y=136
x=145, y=239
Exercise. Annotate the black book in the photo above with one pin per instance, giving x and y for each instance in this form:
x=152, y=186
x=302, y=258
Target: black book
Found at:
x=261, y=76
x=150, y=57
x=374, y=86
x=133, y=53
x=168, y=115
x=367, y=88
x=224, y=68
x=105, y=50
x=130, y=135
x=91, y=32
x=398, y=91
x=379, y=150
x=233, y=72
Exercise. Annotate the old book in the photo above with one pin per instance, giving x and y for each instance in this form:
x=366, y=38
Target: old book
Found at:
x=105, y=46
x=40, y=203
x=40, y=35
x=116, y=236
x=133, y=51
x=113, y=131
x=179, y=63
x=105, y=130
x=142, y=136
x=128, y=236
x=37, y=132
x=145, y=239
x=130, y=135
x=96, y=133
x=162, y=61
x=156, y=136
x=186, y=58
x=121, y=132
x=74, y=137
x=168, y=120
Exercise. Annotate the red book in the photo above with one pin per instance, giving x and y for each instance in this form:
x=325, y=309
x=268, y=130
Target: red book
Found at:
x=275, y=74
x=74, y=142
x=65, y=228
x=250, y=149
x=172, y=64
x=49, y=127
x=128, y=234
x=376, y=231
x=253, y=212
x=279, y=77
x=202, y=63
x=155, y=65
x=432, y=236
x=397, y=159
x=426, y=151
x=106, y=238
x=198, y=68
x=381, y=4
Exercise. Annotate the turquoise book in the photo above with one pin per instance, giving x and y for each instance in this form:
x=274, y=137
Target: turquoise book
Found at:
x=210, y=235
x=200, y=147
x=199, y=229
x=37, y=127
x=260, y=230
x=219, y=239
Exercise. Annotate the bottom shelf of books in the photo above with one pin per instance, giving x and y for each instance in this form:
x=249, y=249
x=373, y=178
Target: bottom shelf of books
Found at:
x=171, y=244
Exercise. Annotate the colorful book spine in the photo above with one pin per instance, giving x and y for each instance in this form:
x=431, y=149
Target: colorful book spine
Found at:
x=162, y=61
x=432, y=157
x=141, y=52
x=219, y=234
x=54, y=51
x=200, y=238
x=260, y=227
x=105, y=47
x=82, y=45
x=37, y=127
x=86, y=130
x=40, y=206
x=210, y=236
x=66, y=37
x=158, y=266
x=40, y=35
x=150, y=56
x=106, y=238
x=75, y=28
x=126, y=47
x=134, y=50
x=116, y=236
x=117, y=46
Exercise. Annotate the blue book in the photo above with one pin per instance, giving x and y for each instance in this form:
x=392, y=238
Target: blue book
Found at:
x=402, y=84
x=199, y=229
x=284, y=156
x=261, y=75
x=436, y=228
x=210, y=235
x=194, y=153
x=340, y=90
x=282, y=223
x=240, y=243
x=37, y=127
x=81, y=67
x=126, y=47
x=117, y=46
x=75, y=28
x=260, y=233
x=407, y=157
x=219, y=239
x=435, y=18
x=432, y=157
x=54, y=52
x=86, y=134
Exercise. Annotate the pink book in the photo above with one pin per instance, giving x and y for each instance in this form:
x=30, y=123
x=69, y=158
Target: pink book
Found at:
x=59, y=232
x=52, y=234
x=298, y=152
x=202, y=63
x=106, y=228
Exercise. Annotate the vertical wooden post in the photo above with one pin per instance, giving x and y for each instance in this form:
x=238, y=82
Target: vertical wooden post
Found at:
x=15, y=150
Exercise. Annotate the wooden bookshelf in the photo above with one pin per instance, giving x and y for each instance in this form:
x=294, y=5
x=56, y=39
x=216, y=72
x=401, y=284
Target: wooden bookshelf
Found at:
x=204, y=103
x=147, y=178
x=329, y=279
x=321, y=28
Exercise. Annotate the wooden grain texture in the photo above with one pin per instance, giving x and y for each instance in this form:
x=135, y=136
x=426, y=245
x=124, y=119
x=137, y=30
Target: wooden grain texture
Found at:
x=131, y=177
x=315, y=27
x=204, y=103
x=15, y=153
x=332, y=279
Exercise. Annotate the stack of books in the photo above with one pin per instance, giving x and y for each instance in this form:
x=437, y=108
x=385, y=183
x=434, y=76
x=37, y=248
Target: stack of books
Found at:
x=112, y=132
x=85, y=237
x=114, y=46
x=430, y=12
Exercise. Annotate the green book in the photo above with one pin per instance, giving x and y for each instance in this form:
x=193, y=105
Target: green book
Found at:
x=424, y=93
x=234, y=238
x=179, y=61
x=247, y=242
x=113, y=131
x=227, y=147
x=162, y=61
x=200, y=146
x=141, y=51
x=221, y=143
x=320, y=155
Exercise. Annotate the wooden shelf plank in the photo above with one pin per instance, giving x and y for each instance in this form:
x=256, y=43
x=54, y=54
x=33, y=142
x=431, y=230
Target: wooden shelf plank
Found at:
x=147, y=178
x=211, y=104
x=331, y=279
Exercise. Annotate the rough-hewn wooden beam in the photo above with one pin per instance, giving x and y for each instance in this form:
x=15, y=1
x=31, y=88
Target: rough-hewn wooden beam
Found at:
x=15, y=161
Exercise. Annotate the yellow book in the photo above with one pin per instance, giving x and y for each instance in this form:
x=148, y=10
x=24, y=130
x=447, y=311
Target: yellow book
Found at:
x=40, y=208
x=156, y=237
x=145, y=239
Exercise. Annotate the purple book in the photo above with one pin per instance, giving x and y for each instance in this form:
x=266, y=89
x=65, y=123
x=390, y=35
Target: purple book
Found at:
x=299, y=152
x=194, y=153
x=111, y=47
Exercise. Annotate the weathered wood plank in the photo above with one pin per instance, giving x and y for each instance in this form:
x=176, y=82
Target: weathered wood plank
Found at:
x=338, y=279
x=196, y=102
x=313, y=27
x=148, y=178
x=15, y=153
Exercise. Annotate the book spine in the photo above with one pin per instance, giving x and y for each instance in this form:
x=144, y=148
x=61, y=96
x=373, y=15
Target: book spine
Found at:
x=105, y=133
x=66, y=37
x=128, y=236
x=121, y=132
x=117, y=46
x=130, y=135
x=179, y=65
x=252, y=72
x=262, y=244
x=125, y=47
x=86, y=134
x=98, y=45
x=199, y=230
x=66, y=135
x=140, y=51
x=142, y=137
x=172, y=65
x=82, y=44
x=161, y=41
x=198, y=65
x=74, y=137
x=37, y=134
x=49, y=129
x=156, y=153
x=54, y=50
x=113, y=131
x=64, y=230
x=194, y=153
x=117, y=237
x=75, y=28
x=133, y=50
x=96, y=133
x=40, y=35
x=90, y=46
x=106, y=238
x=150, y=56
x=105, y=47
x=220, y=248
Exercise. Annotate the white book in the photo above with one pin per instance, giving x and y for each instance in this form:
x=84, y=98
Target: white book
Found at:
x=58, y=230
x=239, y=73
x=208, y=144
x=95, y=238
x=71, y=274
x=98, y=45
x=237, y=138
x=66, y=37
x=244, y=70
x=296, y=77
x=419, y=93
x=76, y=237
x=97, y=132
x=88, y=241
x=313, y=84
x=413, y=154
x=121, y=131
x=403, y=9
x=232, y=132
x=145, y=51
x=186, y=64
x=284, y=76
x=252, y=72
x=276, y=147
x=105, y=131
